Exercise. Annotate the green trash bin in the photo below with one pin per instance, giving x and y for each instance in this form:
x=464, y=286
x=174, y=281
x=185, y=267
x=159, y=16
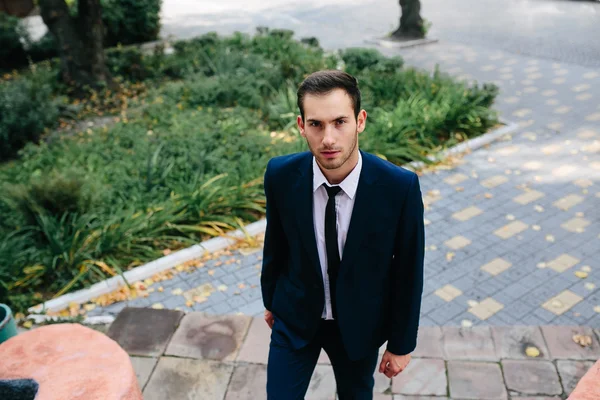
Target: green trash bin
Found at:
x=8, y=326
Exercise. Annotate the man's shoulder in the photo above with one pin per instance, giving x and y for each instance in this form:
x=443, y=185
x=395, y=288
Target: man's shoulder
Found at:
x=288, y=163
x=388, y=171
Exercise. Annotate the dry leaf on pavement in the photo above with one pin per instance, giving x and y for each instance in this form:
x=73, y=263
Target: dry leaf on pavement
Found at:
x=532, y=351
x=582, y=340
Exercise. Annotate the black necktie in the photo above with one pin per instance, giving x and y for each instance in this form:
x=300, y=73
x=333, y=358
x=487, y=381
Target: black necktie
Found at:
x=331, y=243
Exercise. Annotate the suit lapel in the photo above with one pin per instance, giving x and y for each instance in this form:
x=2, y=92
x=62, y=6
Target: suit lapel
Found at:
x=365, y=200
x=303, y=193
x=365, y=196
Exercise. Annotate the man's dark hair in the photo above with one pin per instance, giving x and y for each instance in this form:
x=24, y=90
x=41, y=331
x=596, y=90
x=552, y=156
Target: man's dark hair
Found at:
x=323, y=82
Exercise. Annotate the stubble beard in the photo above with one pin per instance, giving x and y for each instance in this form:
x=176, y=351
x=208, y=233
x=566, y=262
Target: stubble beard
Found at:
x=335, y=164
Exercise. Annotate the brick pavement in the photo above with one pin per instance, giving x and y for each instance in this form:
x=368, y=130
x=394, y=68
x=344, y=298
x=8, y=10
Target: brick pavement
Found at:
x=196, y=355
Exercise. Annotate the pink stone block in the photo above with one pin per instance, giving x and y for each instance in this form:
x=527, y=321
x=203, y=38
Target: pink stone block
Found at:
x=70, y=361
x=588, y=387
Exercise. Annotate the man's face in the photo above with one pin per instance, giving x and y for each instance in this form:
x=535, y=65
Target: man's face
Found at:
x=330, y=128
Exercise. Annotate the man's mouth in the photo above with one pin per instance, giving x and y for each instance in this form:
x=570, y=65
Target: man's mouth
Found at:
x=330, y=153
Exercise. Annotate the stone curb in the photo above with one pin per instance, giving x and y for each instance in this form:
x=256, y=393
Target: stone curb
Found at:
x=147, y=270
x=170, y=261
x=396, y=44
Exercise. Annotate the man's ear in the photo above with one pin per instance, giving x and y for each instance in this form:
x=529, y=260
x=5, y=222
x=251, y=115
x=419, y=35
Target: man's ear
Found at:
x=361, y=121
x=300, y=123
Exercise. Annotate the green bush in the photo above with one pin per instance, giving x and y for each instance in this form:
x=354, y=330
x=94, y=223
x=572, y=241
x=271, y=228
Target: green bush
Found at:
x=43, y=49
x=26, y=109
x=130, y=21
x=12, y=49
x=414, y=113
x=53, y=194
x=129, y=63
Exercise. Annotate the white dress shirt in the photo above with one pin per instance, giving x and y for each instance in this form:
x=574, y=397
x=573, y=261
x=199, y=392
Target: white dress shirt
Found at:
x=344, y=204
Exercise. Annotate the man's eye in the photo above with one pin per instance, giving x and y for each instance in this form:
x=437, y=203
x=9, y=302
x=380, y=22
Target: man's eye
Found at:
x=315, y=124
x=340, y=121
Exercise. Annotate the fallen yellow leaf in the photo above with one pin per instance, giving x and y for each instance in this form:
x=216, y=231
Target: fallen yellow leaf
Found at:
x=160, y=289
x=211, y=272
x=532, y=351
x=488, y=195
x=189, y=303
x=582, y=340
x=449, y=256
x=242, y=285
x=177, y=292
x=199, y=299
x=581, y=274
x=157, y=306
x=27, y=324
x=222, y=288
x=557, y=304
x=89, y=307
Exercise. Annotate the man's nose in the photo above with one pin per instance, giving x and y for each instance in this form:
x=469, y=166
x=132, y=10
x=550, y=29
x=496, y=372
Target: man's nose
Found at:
x=329, y=136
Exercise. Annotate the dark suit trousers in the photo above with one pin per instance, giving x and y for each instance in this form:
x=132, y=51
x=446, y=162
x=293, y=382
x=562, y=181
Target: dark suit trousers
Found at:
x=289, y=371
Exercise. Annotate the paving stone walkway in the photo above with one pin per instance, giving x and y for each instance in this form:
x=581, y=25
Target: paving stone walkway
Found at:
x=513, y=230
x=199, y=356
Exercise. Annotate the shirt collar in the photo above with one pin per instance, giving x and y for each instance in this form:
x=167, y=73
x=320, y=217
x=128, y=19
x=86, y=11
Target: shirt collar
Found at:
x=348, y=185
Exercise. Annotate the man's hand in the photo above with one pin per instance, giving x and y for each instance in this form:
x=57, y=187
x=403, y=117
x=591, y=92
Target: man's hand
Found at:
x=391, y=364
x=269, y=318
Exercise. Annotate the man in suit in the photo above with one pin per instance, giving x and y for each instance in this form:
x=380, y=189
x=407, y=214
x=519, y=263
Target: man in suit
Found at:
x=344, y=246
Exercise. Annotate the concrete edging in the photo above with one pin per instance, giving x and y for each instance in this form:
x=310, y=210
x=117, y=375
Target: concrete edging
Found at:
x=147, y=270
x=170, y=261
x=399, y=44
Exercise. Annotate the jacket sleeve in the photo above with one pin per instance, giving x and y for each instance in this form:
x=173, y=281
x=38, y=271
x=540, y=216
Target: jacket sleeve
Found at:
x=407, y=273
x=275, y=246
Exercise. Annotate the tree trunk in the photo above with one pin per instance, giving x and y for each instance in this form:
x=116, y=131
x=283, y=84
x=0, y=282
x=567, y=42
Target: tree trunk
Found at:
x=411, y=23
x=80, y=40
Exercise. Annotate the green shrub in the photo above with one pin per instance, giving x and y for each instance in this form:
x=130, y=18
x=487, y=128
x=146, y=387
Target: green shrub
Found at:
x=12, y=50
x=129, y=63
x=43, y=49
x=424, y=120
x=130, y=21
x=357, y=60
x=26, y=109
x=54, y=194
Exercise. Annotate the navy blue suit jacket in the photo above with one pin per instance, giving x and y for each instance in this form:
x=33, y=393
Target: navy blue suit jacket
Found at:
x=380, y=279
